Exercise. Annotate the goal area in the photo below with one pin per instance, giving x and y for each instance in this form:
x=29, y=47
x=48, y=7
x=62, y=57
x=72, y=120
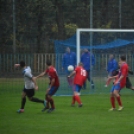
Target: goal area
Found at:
x=100, y=43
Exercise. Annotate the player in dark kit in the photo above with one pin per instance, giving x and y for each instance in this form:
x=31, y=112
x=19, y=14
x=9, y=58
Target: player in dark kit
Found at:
x=53, y=86
x=79, y=79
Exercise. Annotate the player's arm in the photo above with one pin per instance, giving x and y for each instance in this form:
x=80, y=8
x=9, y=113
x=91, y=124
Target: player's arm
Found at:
x=35, y=84
x=123, y=73
x=41, y=74
x=109, y=80
x=72, y=74
x=51, y=84
x=118, y=81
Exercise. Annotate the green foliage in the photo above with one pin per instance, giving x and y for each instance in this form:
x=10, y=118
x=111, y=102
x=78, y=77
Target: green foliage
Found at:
x=39, y=20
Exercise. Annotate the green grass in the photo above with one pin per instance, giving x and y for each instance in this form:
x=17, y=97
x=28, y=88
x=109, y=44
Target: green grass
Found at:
x=92, y=118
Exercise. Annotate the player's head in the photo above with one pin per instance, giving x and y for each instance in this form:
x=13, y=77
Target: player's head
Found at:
x=80, y=64
x=111, y=56
x=123, y=58
x=86, y=50
x=48, y=63
x=22, y=64
x=68, y=50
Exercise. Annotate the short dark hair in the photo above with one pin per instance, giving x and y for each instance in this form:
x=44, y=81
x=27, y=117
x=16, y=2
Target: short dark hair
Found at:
x=123, y=57
x=48, y=62
x=22, y=64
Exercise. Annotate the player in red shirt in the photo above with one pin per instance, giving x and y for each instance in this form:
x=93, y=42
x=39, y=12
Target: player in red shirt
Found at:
x=79, y=79
x=119, y=83
x=53, y=86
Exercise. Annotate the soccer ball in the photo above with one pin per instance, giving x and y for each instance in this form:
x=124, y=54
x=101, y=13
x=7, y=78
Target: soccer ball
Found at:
x=70, y=68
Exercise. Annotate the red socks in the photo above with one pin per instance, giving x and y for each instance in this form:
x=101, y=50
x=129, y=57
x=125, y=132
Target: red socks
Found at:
x=77, y=98
x=112, y=99
x=73, y=99
x=119, y=101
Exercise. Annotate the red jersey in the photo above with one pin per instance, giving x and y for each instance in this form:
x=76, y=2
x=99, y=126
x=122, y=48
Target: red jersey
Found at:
x=52, y=74
x=80, y=76
x=124, y=72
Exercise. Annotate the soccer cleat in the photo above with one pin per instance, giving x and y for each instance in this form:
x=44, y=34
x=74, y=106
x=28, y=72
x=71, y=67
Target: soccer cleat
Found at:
x=20, y=111
x=80, y=105
x=112, y=109
x=120, y=108
x=50, y=110
x=44, y=109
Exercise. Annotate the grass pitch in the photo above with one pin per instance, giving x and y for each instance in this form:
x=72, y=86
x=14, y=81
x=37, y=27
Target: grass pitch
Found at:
x=92, y=118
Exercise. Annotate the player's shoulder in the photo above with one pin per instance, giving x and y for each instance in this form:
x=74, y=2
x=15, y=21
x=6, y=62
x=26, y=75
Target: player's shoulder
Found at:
x=52, y=69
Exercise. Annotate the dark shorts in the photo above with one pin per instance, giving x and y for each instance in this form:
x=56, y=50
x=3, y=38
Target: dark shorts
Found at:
x=29, y=92
x=128, y=83
x=52, y=90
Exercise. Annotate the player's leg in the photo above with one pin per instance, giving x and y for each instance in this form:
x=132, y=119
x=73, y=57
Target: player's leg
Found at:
x=73, y=97
x=89, y=79
x=117, y=95
x=30, y=94
x=51, y=92
x=23, y=101
x=76, y=95
x=112, y=99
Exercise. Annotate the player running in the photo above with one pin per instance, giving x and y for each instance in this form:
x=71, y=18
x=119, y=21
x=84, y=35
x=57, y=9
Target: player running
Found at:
x=79, y=79
x=53, y=86
x=119, y=83
x=30, y=86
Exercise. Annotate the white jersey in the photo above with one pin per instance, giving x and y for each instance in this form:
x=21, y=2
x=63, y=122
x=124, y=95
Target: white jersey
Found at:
x=28, y=78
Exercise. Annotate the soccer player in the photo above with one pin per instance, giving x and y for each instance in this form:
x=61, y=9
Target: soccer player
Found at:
x=30, y=86
x=119, y=83
x=69, y=58
x=112, y=65
x=85, y=59
x=53, y=86
x=80, y=76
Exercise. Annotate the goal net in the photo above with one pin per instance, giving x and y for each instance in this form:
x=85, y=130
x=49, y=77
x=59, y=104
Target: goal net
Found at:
x=101, y=43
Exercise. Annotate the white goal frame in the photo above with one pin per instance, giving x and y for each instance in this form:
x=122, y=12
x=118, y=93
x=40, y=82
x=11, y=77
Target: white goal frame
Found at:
x=91, y=30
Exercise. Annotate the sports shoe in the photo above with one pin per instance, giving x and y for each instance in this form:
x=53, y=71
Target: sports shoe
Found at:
x=112, y=109
x=50, y=110
x=44, y=109
x=20, y=111
x=120, y=108
x=80, y=105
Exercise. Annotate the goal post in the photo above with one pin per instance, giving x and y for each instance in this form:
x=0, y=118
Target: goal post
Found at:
x=103, y=42
x=91, y=30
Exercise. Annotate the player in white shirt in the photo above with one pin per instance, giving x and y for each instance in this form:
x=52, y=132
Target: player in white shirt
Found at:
x=30, y=86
